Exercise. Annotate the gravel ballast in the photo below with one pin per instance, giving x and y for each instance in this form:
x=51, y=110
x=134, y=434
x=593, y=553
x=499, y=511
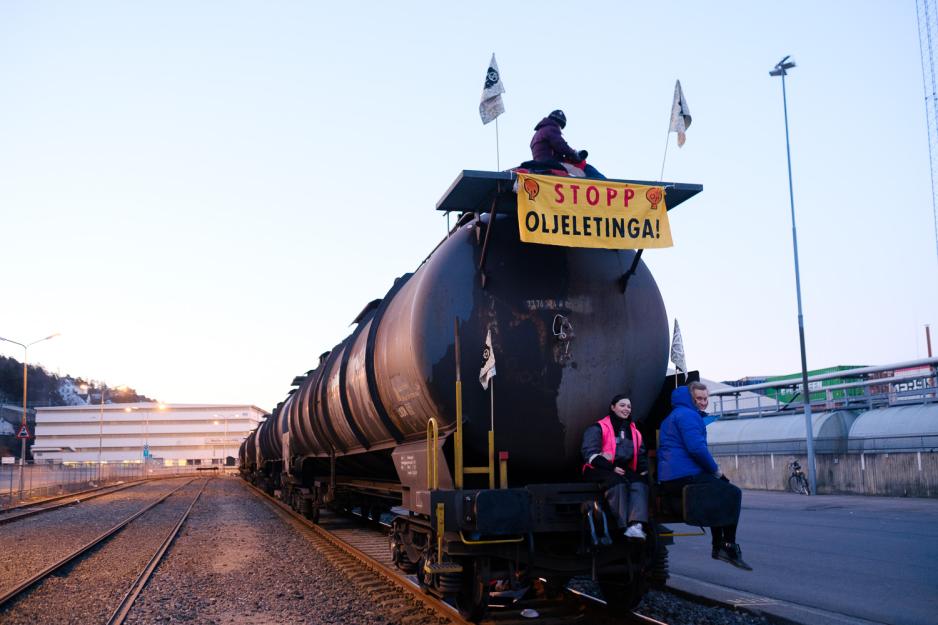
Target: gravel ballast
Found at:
x=89, y=589
x=31, y=544
x=236, y=562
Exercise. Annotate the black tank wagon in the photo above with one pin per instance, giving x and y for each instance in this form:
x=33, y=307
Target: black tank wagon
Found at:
x=374, y=424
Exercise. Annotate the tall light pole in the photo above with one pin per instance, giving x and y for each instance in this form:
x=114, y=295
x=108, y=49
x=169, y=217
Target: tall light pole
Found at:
x=25, y=374
x=101, y=430
x=781, y=69
x=215, y=446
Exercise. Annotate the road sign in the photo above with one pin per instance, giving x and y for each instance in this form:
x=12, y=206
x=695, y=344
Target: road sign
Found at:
x=146, y=451
x=24, y=432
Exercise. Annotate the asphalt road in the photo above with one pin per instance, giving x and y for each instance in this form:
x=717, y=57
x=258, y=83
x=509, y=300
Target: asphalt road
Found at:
x=872, y=558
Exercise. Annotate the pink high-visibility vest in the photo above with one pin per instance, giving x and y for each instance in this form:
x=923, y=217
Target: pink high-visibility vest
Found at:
x=609, y=442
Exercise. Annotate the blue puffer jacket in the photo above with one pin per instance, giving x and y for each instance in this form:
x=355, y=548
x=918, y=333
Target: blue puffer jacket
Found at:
x=682, y=446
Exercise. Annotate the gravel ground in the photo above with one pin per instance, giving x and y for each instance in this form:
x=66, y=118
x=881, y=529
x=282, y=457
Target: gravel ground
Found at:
x=236, y=562
x=677, y=611
x=89, y=590
x=31, y=544
x=674, y=610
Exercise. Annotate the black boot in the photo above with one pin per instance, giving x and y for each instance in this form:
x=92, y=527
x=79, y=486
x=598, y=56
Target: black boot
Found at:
x=730, y=552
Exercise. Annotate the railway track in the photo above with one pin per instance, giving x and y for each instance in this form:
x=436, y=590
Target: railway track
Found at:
x=360, y=550
x=16, y=513
x=24, y=510
x=94, y=556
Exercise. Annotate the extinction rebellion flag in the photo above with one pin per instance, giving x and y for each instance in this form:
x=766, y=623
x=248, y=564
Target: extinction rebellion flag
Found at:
x=491, y=105
x=488, y=362
x=680, y=115
x=677, y=350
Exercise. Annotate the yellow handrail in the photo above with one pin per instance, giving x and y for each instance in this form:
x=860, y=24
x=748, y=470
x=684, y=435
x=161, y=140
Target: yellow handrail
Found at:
x=670, y=534
x=440, y=526
x=457, y=447
x=497, y=541
x=460, y=469
x=433, y=439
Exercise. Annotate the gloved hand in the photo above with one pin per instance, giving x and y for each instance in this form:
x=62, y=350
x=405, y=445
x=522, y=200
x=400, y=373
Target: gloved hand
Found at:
x=582, y=154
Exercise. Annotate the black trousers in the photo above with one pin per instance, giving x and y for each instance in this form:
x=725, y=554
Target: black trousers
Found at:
x=627, y=499
x=674, y=488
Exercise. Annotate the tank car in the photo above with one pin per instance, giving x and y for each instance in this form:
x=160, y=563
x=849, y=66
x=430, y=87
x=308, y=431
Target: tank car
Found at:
x=394, y=416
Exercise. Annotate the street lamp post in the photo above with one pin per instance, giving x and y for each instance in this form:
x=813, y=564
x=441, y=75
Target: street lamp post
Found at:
x=101, y=431
x=146, y=440
x=781, y=69
x=25, y=374
x=214, y=444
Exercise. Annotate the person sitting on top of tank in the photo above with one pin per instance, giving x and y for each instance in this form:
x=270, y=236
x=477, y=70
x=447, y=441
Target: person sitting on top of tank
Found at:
x=550, y=151
x=683, y=459
x=613, y=455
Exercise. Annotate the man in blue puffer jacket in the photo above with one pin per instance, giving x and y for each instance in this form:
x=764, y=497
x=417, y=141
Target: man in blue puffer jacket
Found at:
x=683, y=458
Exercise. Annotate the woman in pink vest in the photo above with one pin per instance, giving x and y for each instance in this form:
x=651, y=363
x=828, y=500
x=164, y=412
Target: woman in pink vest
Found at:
x=613, y=455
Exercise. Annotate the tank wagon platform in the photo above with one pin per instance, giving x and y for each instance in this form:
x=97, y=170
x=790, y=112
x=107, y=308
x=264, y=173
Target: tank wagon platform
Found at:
x=474, y=190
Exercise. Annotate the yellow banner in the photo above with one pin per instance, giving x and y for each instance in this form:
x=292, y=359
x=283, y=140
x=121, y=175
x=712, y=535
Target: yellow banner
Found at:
x=580, y=212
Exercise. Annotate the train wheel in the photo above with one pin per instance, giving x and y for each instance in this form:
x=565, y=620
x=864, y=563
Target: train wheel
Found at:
x=657, y=561
x=424, y=579
x=620, y=595
x=658, y=573
x=315, y=501
x=554, y=586
x=473, y=597
x=401, y=561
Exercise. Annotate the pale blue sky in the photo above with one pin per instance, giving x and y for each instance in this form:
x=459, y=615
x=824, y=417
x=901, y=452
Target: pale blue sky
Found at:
x=201, y=196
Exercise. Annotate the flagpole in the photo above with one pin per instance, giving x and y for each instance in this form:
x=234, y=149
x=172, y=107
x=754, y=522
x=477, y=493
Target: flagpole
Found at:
x=498, y=160
x=492, y=433
x=492, y=404
x=667, y=140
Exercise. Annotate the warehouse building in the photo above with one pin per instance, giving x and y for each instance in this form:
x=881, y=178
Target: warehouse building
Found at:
x=164, y=434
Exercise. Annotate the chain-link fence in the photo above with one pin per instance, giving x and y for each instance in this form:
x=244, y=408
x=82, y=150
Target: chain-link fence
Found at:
x=49, y=480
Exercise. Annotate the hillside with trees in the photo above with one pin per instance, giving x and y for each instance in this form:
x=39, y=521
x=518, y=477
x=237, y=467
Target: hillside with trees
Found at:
x=49, y=389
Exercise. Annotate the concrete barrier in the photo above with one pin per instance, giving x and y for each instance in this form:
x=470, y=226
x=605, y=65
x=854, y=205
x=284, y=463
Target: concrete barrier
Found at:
x=902, y=474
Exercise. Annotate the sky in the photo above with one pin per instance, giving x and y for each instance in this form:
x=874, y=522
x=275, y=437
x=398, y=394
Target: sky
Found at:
x=201, y=196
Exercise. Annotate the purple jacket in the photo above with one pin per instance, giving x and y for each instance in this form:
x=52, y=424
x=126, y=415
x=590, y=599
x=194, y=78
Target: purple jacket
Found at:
x=548, y=143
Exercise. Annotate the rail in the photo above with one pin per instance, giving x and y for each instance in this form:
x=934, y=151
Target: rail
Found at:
x=123, y=609
x=47, y=481
x=414, y=594
x=860, y=388
x=571, y=607
x=21, y=587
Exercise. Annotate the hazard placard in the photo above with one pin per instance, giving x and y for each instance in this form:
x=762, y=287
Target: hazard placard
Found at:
x=24, y=432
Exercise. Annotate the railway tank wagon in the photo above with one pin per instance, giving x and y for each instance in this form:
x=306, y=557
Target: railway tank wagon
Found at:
x=375, y=424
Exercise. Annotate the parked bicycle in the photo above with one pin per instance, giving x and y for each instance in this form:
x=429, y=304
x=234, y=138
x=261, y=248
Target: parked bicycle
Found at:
x=797, y=482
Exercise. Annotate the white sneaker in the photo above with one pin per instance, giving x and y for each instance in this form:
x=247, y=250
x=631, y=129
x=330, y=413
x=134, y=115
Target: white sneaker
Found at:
x=635, y=531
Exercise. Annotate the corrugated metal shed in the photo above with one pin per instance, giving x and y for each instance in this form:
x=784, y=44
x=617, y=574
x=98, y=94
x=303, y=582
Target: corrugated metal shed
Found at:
x=899, y=428
x=785, y=434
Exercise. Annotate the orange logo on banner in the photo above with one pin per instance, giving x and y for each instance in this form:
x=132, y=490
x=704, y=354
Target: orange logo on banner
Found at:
x=654, y=196
x=531, y=188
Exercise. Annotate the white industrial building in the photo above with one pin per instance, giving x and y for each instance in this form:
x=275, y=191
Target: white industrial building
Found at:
x=165, y=434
